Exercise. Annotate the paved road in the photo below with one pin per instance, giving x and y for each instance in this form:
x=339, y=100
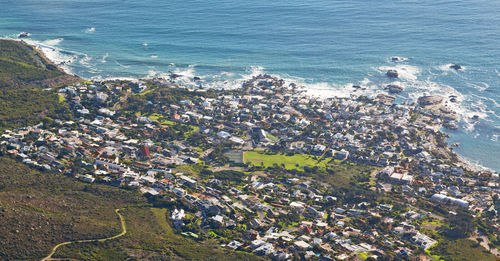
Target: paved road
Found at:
x=204, y=154
x=227, y=168
x=124, y=231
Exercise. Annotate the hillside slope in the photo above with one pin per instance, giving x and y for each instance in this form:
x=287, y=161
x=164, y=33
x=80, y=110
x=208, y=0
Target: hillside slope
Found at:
x=39, y=210
x=25, y=76
x=22, y=66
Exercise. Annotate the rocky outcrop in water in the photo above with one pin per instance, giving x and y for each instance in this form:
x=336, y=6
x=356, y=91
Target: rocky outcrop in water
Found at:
x=394, y=88
x=456, y=67
x=398, y=59
x=448, y=114
x=392, y=74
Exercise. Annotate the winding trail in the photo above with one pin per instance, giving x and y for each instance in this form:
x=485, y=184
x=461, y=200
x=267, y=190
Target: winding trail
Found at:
x=124, y=231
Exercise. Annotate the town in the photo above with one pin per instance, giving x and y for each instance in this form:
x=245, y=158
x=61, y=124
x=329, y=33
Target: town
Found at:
x=267, y=169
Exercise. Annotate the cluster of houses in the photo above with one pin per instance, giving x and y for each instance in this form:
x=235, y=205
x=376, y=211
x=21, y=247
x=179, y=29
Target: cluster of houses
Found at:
x=279, y=218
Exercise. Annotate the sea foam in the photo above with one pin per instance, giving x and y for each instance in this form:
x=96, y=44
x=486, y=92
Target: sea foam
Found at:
x=103, y=60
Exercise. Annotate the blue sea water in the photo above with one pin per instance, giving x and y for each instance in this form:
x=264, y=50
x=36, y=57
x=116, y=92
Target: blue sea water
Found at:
x=325, y=45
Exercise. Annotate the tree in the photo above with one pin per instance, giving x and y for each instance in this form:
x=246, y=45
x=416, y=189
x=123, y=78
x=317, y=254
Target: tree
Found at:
x=461, y=225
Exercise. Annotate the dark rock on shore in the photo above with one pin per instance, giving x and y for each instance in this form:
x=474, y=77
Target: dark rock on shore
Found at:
x=386, y=99
x=358, y=87
x=196, y=78
x=392, y=74
x=451, y=125
x=430, y=100
x=175, y=76
x=394, y=88
x=448, y=114
x=265, y=81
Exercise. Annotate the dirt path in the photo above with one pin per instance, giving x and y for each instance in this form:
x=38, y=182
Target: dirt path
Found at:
x=485, y=243
x=124, y=231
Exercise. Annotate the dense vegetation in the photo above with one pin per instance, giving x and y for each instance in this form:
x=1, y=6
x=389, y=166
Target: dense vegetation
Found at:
x=27, y=107
x=41, y=209
x=23, y=75
x=22, y=66
x=22, y=53
x=151, y=237
x=461, y=249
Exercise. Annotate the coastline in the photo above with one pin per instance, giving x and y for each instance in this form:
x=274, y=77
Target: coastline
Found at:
x=43, y=50
x=327, y=93
x=267, y=155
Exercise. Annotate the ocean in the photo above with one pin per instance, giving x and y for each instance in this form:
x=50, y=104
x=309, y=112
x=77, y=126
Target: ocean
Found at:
x=326, y=46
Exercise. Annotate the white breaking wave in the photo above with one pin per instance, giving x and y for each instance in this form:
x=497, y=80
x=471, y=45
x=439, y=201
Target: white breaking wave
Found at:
x=121, y=65
x=85, y=60
x=152, y=74
x=103, y=60
x=90, y=30
x=53, y=42
x=480, y=87
x=187, y=73
x=228, y=74
x=405, y=72
x=66, y=60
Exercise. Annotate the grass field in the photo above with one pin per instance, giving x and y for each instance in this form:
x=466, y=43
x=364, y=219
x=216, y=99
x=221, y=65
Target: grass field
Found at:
x=296, y=161
x=338, y=173
x=61, y=98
